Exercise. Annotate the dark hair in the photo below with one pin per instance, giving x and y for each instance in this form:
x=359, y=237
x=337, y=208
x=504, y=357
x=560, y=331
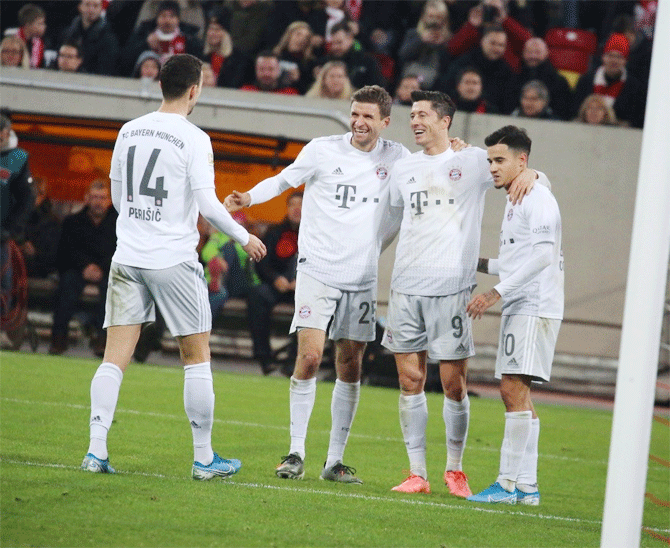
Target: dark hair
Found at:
x=169, y=5
x=467, y=69
x=294, y=194
x=178, y=74
x=376, y=95
x=267, y=53
x=342, y=25
x=5, y=121
x=76, y=44
x=440, y=102
x=512, y=136
x=30, y=13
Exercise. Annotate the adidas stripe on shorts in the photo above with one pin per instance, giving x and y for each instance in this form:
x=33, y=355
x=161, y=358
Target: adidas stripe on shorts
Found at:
x=526, y=346
x=439, y=325
x=180, y=292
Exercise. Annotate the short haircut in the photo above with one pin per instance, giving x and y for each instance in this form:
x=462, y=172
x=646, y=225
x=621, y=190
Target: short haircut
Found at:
x=29, y=14
x=469, y=68
x=5, y=122
x=342, y=25
x=515, y=138
x=72, y=44
x=178, y=74
x=376, y=95
x=267, y=53
x=440, y=102
x=169, y=5
x=538, y=87
x=294, y=194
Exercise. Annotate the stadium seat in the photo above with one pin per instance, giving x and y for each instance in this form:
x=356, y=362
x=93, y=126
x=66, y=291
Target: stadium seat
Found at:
x=571, y=49
x=386, y=65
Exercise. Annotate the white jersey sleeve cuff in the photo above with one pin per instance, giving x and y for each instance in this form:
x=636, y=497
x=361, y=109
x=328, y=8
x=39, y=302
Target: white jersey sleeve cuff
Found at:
x=493, y=268
x=212, y=210
x=268, y=189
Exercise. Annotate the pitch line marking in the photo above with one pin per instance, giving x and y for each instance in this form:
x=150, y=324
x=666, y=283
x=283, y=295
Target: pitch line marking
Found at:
x=282, y=428
x=359, y=496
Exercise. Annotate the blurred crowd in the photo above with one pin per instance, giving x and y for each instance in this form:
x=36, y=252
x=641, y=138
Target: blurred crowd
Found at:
x=584, y=60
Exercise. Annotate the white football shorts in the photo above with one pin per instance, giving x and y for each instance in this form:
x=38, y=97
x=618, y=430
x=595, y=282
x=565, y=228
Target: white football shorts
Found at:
x=350, y=314
x=179, y=291
x=439, y=325
x=526, y=346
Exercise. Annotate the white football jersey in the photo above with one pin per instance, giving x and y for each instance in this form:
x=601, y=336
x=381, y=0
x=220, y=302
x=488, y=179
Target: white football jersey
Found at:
x=442, y=197
x=159, y=159
x=344, y=210
x=535, y=220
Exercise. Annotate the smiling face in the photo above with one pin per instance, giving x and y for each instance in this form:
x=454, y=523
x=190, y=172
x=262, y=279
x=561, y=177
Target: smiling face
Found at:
x=429, y=129
x=505, y=164
x=366, y=124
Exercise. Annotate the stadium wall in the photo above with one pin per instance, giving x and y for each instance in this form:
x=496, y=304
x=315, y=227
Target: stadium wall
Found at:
x=593, y=171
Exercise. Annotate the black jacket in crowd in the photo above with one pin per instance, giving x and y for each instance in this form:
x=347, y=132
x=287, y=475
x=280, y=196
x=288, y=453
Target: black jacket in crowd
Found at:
x=43, y=232
x=99, y=46
x=16, y=197
x=82, y=243
x=282, y=244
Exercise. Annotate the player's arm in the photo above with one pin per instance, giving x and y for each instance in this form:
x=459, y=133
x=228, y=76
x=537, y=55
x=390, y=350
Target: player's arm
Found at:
x=262, y=192
x=540, y=259
x=481, y=303
x=116, y=194
x=522, y=184
x=214, y=211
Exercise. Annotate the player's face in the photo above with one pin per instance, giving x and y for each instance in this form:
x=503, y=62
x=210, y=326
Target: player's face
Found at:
x=427, y=126
x=505, y=164
x=366, y=124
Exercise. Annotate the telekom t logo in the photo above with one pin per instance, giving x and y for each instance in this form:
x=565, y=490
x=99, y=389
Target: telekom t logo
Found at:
x=344, y=196
x=417, y=202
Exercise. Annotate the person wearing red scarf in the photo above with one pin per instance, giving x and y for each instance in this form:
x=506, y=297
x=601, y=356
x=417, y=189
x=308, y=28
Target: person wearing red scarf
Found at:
x=32, y=21
x=611, y=80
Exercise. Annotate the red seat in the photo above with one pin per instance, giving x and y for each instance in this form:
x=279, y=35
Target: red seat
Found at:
x=571, y=49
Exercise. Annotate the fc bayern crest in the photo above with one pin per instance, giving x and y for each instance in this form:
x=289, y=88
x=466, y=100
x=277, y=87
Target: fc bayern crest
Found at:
x=510, y=214
x=305, y=312
x=382, y=172
x=455, y=174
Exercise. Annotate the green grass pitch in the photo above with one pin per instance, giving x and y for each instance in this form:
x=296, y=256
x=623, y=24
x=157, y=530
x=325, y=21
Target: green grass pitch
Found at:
x=47, y=501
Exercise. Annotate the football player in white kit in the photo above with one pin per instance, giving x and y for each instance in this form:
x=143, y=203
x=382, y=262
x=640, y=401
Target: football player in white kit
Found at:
x=345, y=218
x=162, y=174
x=441, y=193
x=530, y=266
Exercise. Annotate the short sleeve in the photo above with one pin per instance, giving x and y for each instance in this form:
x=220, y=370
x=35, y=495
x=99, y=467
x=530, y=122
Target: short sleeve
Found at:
x=304, y=167
x=201, y=165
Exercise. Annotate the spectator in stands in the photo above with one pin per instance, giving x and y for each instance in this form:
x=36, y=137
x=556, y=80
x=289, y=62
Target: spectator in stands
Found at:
x=536, y=66
x=296, y=57
x=423, y=50
x=165, y=35
x=534, y=102
x=33, y=25
x=16, y=202
x=639, y=58
x=13, y=53
x=85, y=249
x=148, y=65
x=41, y=235
x=248, y=22
x=208, y=76
x=488, y=59
x=487, y=14
x=332, y=82
x=309, y=11
x=268, y=75
x=69, y=57
x=99, y=46
x=361, y=66
x=403, y=93
x=469, y=93
x=595, y=110
x=231, y=67
x=277, y=272
x=191, y=15
x=228, y=271
x=611, y=80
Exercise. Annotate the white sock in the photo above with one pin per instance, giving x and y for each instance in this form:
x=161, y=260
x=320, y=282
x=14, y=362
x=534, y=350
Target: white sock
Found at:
x=199, y=407
x=456, y=416
x=413, y=419
x=517, y=431
x=301, y=401
x=527, y=480
x=105, y=388
x=343, y=407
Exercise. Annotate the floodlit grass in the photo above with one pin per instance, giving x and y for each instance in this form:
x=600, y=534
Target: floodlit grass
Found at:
x=47, y=501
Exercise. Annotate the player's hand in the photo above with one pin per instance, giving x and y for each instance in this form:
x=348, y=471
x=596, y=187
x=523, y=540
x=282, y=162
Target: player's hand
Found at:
x=458, y=144
x=255, y=248
x=236, y=201
x=522, y=184
x=481, y=303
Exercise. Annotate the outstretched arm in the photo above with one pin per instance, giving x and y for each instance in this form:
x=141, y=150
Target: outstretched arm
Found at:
x=262, y=192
